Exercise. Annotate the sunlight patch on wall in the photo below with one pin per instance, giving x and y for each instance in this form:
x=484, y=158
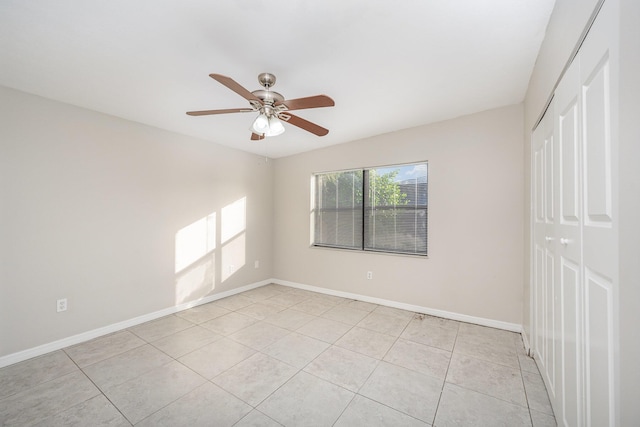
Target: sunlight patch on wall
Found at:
x=232, y=238
x=195, y=271
x=196, y=281
x=194, y=241
x=233, y=257
x=234, y=219
x=198, y=267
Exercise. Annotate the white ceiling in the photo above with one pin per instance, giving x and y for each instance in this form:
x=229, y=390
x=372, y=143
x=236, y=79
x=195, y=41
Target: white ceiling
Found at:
x=388, y=65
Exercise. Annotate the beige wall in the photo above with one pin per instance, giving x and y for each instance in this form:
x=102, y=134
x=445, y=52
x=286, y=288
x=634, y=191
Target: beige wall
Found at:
x=475, y=218
x=90, y=208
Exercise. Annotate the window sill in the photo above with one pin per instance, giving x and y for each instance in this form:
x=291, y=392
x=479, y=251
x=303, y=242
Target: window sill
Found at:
x=360, y=251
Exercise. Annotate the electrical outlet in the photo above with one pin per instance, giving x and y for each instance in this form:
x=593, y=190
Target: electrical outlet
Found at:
x=61, y=305
x=256, y=264
x=369, y=275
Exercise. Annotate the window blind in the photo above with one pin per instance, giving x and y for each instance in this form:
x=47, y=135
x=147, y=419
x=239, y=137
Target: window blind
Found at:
x=395, y=210
x=376, y=209
x=338, y=209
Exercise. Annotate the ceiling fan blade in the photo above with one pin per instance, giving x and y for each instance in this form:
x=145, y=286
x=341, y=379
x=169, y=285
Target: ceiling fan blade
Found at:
x=230, y=110
x=303, y=124
x=235, y=86
x=256, y=137
x=308, y=102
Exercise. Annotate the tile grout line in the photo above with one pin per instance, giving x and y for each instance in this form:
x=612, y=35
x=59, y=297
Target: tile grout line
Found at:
x=256, y=352
x=300, y=370
x=40, y=383
x=257, y=410
x=210, y=381
x=524, y=387
x=97, y=388
x=496, y=397
x=179, y=397
x=446, y=374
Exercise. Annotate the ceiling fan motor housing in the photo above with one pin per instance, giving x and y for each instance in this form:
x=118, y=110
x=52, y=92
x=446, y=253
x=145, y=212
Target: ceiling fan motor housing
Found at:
x=268, y=97
x=266, y=80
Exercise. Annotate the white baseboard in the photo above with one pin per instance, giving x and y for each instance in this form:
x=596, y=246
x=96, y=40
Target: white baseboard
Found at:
x=512, y=327
x=115, y=327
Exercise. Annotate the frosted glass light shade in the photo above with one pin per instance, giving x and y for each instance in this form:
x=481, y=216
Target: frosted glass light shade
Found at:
x=275, y=127
x=260, y=124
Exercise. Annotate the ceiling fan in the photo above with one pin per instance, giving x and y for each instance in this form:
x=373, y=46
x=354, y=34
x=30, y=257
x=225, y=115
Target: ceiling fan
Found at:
x=272, y=107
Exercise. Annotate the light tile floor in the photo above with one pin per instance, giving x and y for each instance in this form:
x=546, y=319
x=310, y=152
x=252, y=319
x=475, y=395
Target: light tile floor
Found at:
x=282, y=356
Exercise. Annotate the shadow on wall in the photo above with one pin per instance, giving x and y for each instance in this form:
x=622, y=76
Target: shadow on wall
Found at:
x=196, y=254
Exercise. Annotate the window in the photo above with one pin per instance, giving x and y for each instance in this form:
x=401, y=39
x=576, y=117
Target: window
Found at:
x=381, y=209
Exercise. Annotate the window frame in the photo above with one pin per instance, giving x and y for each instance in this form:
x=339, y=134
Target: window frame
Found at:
x=365, y=198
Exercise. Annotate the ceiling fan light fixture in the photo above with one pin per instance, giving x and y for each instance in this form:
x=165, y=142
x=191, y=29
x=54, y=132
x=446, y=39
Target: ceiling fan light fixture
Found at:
x=275, y=127
x=260, y=124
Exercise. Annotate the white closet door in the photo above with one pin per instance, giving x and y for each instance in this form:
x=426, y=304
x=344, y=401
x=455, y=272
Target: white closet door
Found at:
x=539, y=234
x=575, y=282
x=599, y=95
x=569, y=248
x=544, y=249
